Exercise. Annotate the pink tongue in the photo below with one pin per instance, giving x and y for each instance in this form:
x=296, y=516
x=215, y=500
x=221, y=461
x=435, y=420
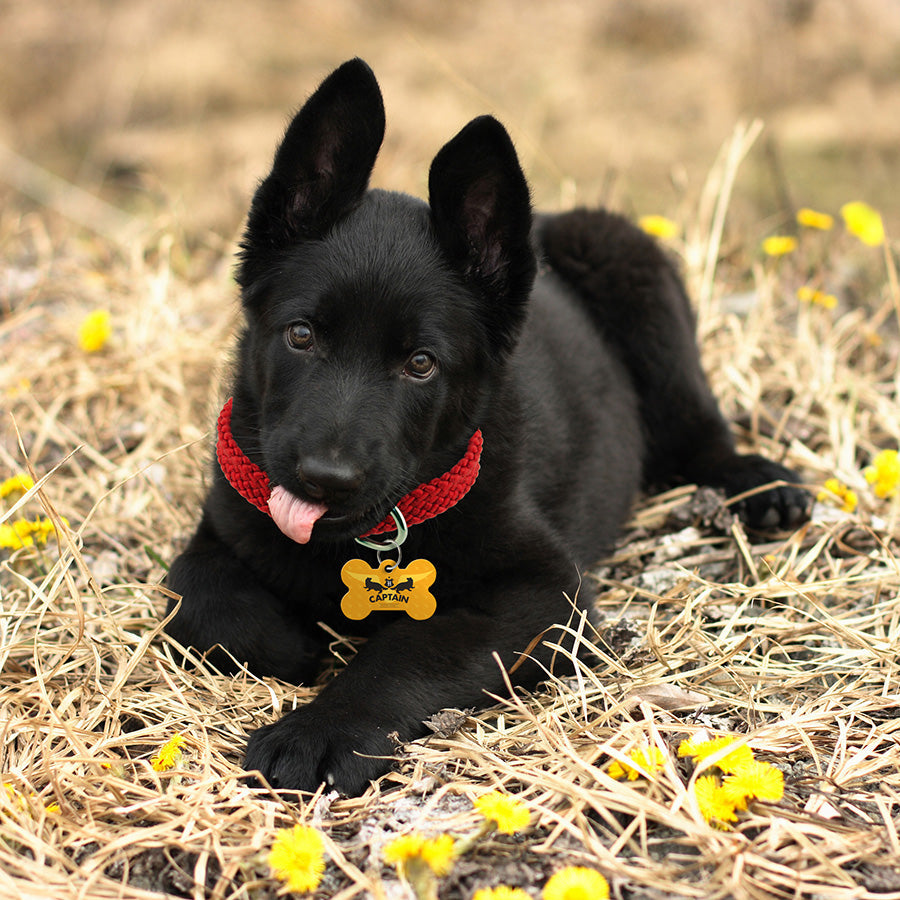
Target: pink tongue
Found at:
x=295, y=517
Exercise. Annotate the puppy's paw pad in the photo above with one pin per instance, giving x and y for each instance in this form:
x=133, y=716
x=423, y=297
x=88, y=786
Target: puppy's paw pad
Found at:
x=782, y=506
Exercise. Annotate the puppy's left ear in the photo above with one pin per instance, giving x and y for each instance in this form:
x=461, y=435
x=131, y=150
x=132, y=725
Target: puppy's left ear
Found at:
x=481, y=210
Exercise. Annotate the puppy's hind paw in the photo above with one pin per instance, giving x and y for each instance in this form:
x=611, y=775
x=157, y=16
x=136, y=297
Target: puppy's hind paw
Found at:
x=782, y=506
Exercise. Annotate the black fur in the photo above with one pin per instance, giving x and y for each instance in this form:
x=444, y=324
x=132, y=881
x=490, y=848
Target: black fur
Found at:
x=584, y=380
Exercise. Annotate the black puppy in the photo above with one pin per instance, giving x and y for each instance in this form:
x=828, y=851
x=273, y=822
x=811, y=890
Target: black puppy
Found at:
x=391, y=348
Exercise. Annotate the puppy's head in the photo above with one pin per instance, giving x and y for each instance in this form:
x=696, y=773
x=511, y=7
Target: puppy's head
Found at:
x=377, y=325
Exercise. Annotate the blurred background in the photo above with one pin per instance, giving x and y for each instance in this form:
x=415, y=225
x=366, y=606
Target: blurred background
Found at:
x=170, y=110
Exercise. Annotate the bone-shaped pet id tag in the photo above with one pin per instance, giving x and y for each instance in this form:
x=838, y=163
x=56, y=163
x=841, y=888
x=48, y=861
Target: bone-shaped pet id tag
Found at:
x=389, y=586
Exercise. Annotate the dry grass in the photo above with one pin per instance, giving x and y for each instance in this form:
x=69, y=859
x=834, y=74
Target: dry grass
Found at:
x=790, y=643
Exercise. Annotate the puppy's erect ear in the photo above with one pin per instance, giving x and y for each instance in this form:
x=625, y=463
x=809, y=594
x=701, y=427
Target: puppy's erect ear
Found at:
x=481, y=212
x=323, y=164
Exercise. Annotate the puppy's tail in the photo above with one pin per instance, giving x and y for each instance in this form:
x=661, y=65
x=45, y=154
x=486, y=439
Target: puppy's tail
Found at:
x=618, y=270
x=635, y=296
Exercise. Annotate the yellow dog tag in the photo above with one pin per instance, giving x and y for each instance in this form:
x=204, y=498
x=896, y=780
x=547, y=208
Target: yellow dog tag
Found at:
x=388, y=587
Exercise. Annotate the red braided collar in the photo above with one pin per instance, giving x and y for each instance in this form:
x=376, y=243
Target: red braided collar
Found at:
x=425, y=502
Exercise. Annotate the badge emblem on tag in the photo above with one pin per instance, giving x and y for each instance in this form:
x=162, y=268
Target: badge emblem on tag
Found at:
x=389, y=586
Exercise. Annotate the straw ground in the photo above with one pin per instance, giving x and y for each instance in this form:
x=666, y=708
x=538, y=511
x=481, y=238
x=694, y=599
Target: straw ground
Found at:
x=787, y=642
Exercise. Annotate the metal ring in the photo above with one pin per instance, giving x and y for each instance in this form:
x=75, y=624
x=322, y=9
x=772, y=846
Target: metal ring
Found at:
x=393, y=543
x=394, y=564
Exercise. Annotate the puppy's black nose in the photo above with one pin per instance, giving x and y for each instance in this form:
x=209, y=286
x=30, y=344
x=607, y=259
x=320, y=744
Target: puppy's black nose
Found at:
x=329, y=481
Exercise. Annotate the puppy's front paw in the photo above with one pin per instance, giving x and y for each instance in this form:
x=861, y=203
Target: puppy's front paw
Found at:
x=310, y=746
x=783, y=506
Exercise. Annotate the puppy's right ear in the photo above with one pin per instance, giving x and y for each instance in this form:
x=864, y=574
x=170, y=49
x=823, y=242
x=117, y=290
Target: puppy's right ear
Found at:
x=323, y=164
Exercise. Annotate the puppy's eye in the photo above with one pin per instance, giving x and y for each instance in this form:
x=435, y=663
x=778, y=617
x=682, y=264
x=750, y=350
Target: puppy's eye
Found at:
x=420, y=365
x=299, y=336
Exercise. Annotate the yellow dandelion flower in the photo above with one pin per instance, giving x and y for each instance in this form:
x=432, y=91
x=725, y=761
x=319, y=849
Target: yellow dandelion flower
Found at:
x=21, y=387
x=508, y=814
x=864, y=222
x=25, y=533
x=835, y=491
x=18, y=484
x=42, y=529
x=737, y=756
x=576, y=883
x=714, y=804
x=755, y=781
x=809, y=218
x=779, y=245
x=297, y=857
x=169, y=755
x=501, y=892
x=884, y=473
x=16, y=534
x=94, y=331
x=659, y=226
x=401, y=850
x=872, y=338
x=650, y=759
x=12, y=798
x=816, y=297
x=436, y=853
